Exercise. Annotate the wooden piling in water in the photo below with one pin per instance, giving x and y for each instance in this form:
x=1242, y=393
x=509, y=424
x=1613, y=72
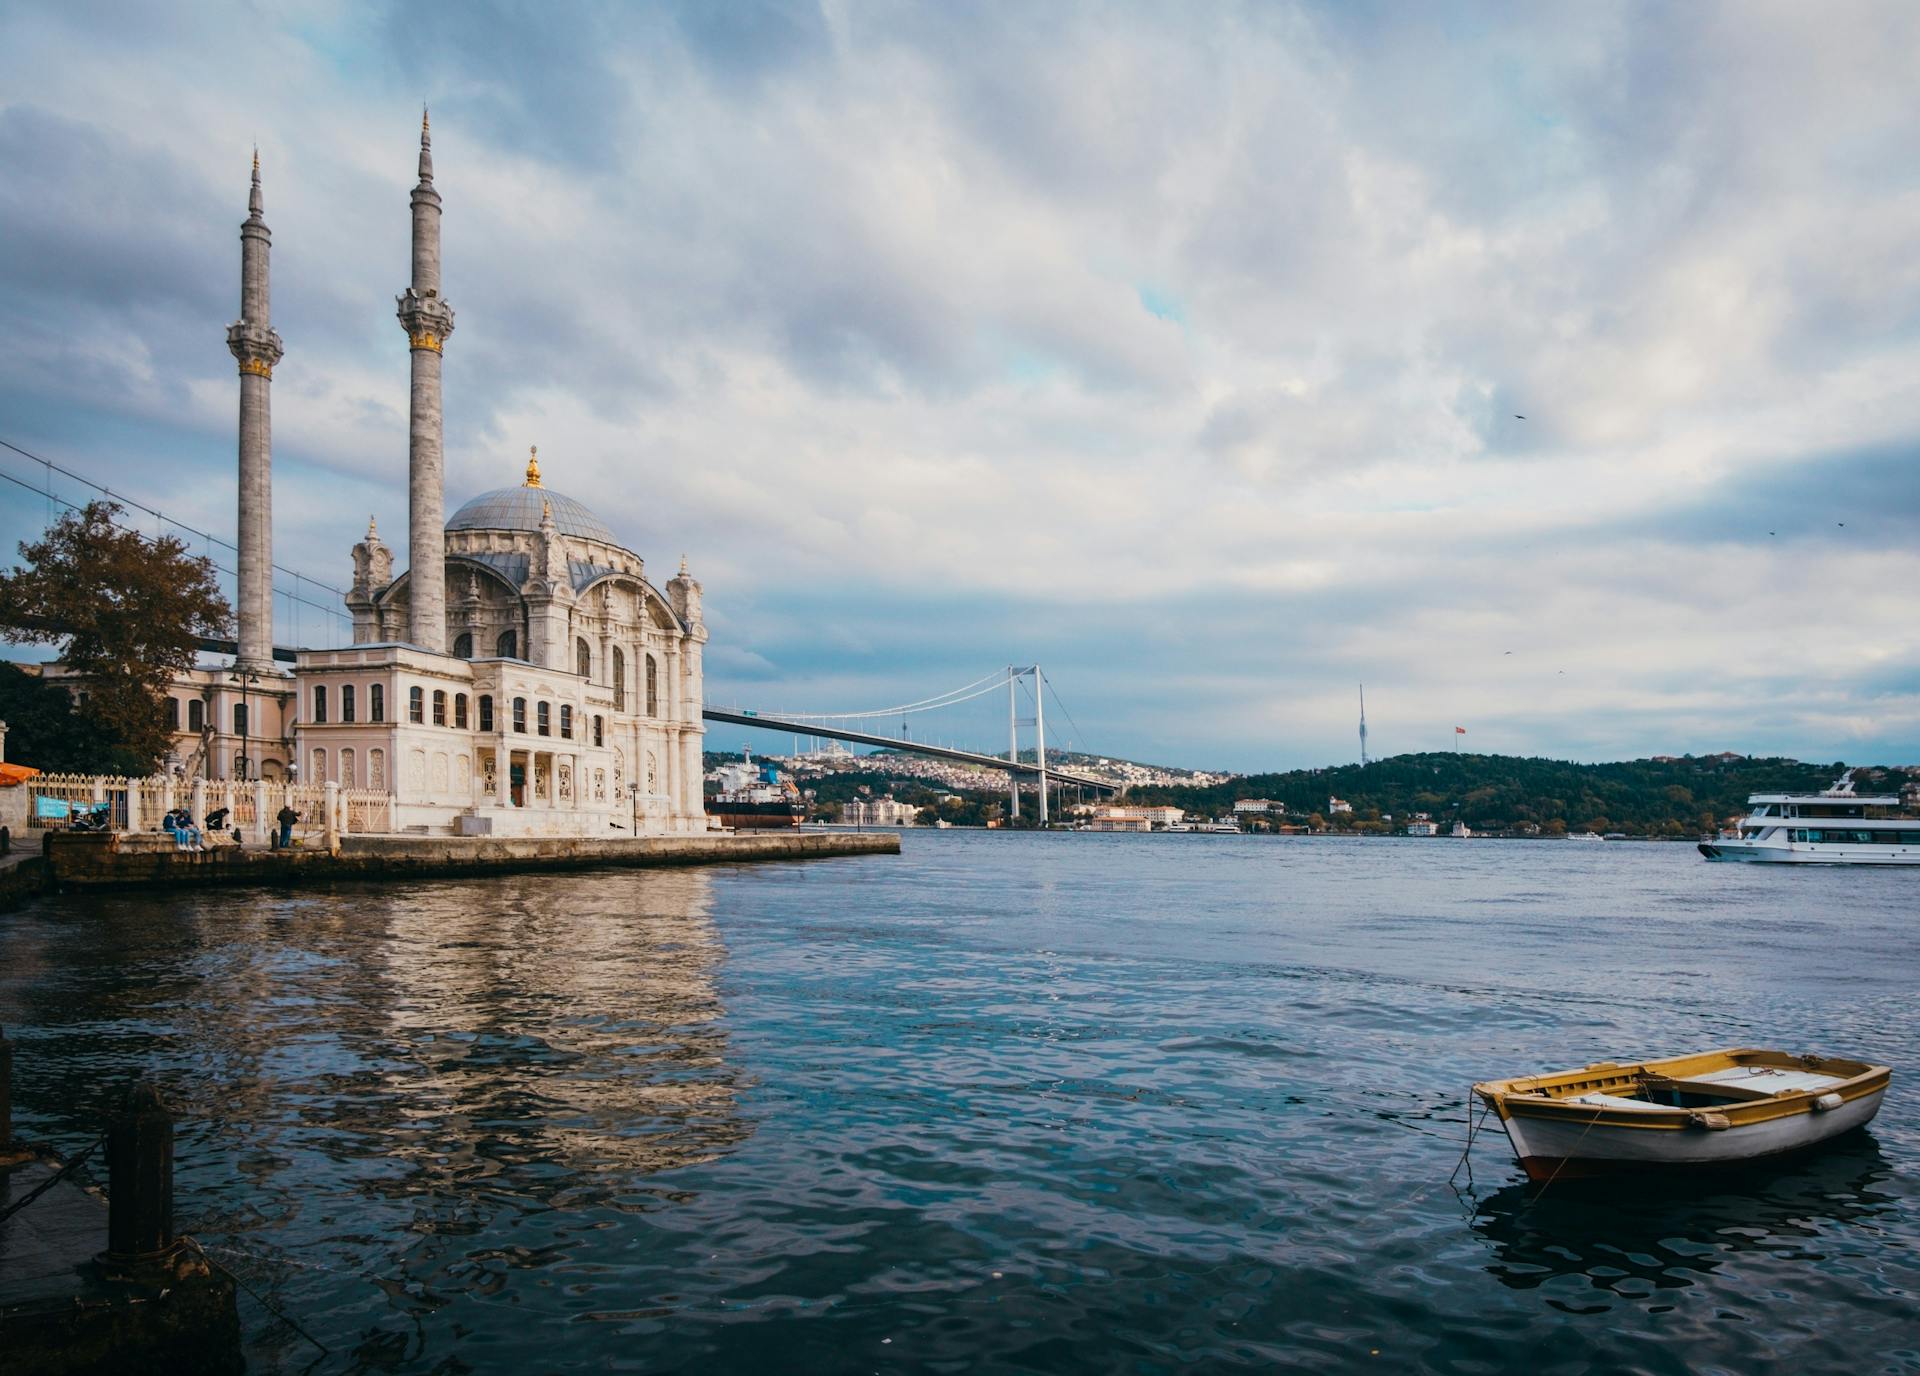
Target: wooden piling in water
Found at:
x=139, y=1180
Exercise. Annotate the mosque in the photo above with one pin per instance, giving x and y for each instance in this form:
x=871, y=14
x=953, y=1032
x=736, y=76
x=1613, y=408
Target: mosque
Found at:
x=522, y=676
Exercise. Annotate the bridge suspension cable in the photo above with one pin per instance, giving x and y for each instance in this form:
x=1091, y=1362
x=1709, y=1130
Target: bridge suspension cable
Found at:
x=932, y=704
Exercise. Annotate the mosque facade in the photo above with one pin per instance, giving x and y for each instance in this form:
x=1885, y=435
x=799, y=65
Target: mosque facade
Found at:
x=522, y=676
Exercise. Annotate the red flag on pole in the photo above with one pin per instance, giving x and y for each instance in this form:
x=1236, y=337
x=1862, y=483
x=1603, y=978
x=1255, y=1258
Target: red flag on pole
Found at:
x=1459, y=730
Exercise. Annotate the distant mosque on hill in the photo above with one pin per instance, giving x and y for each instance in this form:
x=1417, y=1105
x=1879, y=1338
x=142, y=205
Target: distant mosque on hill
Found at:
x=522, y=676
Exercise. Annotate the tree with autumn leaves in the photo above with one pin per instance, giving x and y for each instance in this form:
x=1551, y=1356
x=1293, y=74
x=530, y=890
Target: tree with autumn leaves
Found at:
x=127, y=614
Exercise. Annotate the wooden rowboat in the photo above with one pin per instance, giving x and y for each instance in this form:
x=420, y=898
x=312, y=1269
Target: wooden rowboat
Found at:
x=1715, y=1108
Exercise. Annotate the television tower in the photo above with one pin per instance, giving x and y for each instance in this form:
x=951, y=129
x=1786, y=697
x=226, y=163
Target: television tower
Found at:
x=1363, y=724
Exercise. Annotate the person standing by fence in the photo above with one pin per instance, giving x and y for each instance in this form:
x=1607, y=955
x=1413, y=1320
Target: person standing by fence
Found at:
x=286, y=817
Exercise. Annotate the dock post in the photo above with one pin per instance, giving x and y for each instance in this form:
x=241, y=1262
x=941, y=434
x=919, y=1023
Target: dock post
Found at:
x=139, y=1180
x=330, y=801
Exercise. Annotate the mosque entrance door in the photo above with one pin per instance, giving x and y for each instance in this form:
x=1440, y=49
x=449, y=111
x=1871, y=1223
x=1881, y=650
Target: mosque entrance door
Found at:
x=517, y=779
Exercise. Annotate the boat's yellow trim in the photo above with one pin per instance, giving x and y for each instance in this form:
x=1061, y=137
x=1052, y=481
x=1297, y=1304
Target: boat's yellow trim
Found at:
x=1551, y=1097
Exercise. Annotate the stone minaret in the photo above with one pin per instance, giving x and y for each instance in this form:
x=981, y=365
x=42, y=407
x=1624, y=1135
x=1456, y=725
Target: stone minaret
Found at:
x=428, y=321
x=257, y=348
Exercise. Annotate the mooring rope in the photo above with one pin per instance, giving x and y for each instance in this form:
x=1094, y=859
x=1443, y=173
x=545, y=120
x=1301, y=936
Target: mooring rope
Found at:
x=51, y=1180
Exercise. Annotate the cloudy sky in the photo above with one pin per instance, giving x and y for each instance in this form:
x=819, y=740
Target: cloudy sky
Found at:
x=1180, y=348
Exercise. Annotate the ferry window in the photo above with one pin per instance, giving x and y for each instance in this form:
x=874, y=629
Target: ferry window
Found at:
x=196, y=715
x=439, y=707
x=460, y=710
x=416, y=704
x=1799, y=833
x=520, y=714
x=377, y=702
x=346, y=702
x=319, y=702
x=544, y=719
x=463, y=645
x=566, y=720
x=486, y=711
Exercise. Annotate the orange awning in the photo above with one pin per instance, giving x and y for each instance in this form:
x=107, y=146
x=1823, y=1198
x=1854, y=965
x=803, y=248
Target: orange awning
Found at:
x=11, y=774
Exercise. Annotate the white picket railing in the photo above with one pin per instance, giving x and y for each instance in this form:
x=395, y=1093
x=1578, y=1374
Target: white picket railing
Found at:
x=56, y=801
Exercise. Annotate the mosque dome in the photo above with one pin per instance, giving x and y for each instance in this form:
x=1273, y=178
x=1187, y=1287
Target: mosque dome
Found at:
x=518, y=508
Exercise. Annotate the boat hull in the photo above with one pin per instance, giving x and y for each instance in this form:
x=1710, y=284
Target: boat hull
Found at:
x=1803, y=853
x=1560, y=1149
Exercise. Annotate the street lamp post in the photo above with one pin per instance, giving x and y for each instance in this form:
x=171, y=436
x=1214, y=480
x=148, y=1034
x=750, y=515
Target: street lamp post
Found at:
x=245, y=678
x=633, y=792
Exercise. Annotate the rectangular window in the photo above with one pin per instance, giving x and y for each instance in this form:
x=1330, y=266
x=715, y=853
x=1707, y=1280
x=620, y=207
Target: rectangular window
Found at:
x=598, y=721
x=439, y=707
x=486, y=711
x=239, y=719
x=377, y=702
x=346, y=702
x=520, y=715
x=545, y=710
x=566, y=721
x=416, y=705
x=319, y=703
x=460, y=710
x=173, y=714
x=196, y=715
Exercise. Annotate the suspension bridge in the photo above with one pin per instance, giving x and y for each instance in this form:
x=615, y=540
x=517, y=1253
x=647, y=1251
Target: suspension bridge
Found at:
x=859, y=728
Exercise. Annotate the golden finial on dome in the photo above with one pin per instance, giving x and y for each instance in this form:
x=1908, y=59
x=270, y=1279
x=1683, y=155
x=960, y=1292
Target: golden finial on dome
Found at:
x=373, y=532
x=683, y=566
x=533, y=465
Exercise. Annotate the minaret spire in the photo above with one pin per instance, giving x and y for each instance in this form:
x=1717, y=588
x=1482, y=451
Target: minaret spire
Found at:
x=428, y=321
x=256, y=348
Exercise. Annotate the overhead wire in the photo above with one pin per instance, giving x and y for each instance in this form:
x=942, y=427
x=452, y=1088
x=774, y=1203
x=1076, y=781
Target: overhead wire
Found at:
x=335, y=612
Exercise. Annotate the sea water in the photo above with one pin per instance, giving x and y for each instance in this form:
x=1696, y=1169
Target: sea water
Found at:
x=1034, y=1103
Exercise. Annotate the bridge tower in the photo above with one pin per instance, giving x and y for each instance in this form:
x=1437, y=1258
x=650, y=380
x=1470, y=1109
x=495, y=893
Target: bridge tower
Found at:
x=1363, y=725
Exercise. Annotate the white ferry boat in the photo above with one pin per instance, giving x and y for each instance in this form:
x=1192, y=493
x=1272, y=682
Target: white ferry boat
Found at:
x=1837, y=827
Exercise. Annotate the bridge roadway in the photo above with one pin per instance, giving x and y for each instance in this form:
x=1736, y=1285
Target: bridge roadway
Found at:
x=938, y=752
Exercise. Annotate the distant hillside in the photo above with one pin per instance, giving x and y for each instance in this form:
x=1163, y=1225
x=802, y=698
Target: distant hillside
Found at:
x=1489, y=792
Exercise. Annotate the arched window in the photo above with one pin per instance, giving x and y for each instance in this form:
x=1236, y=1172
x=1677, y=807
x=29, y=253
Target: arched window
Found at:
x=460, y=710
x=172, y=714
x=319, y=702
x=653, y=686
x=520, y=715
x=619, y=680
x=196, y=715
x=346, y=702
x=239, y=718
x=507, y=646
x=544, y=719
x=566, y=720
x=486, y=711
x=416, y=705
x=463, y=645
x=598, y=738
x=583, y=658
x=439, y=707
x=376, y=702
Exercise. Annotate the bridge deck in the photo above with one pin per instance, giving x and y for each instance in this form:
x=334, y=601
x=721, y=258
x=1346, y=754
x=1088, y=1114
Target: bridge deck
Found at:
x=938, y=752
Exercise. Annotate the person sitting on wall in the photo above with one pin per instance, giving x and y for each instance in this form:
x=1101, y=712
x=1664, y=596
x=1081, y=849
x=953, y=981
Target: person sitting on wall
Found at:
x=286, y=817
x=191, y=831
x=217, y=823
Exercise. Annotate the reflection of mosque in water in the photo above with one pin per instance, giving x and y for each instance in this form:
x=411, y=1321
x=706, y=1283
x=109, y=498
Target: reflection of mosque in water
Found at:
x=1670, y=1233
x=541, y=1031
x=548, y=1039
